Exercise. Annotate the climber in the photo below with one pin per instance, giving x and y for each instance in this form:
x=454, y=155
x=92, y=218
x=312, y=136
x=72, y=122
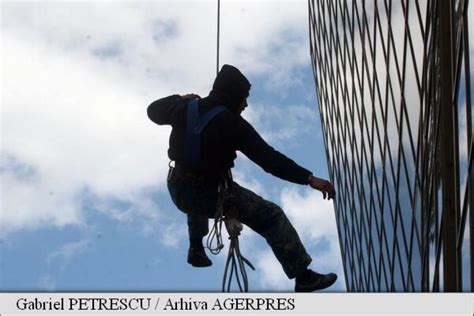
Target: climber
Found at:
x=203, y=157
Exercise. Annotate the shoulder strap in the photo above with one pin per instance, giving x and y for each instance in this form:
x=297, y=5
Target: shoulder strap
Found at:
x=195, y=124
x=207, y=117
x=192, y=115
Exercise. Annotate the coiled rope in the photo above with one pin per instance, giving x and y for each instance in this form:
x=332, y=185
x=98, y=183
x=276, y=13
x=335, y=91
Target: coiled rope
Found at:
x=227, y=213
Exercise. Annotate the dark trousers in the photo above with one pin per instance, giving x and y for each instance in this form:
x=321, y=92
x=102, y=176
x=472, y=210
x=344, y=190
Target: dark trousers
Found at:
x=198, y=198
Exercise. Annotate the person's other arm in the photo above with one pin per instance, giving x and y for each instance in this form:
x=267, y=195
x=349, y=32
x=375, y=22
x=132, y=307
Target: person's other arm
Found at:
x=163, y=111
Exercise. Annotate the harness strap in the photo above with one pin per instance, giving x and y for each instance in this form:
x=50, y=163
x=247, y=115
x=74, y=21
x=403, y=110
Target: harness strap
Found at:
x=195, y=124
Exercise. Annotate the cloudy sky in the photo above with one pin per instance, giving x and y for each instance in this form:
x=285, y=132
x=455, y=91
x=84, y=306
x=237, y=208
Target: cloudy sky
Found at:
x=84, y=205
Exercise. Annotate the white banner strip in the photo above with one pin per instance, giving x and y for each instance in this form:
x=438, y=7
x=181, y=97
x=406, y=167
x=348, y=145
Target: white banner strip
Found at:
x=248, y=304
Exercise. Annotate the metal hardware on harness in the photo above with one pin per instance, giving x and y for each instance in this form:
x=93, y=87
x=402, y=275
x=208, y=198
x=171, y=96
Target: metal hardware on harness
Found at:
x=171, y=169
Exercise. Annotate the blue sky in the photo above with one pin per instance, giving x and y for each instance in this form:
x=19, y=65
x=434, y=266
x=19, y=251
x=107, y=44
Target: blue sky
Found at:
x=84, y=204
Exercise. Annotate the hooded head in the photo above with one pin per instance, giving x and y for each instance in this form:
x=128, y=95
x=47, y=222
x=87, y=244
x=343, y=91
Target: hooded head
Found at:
x=232, y=85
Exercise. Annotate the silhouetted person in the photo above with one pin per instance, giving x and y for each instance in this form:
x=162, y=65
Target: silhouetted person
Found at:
x=206, y=133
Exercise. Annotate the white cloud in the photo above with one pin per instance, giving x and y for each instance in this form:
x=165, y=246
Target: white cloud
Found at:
x=272, y=276
x=31, y=205
x=174, y=234
x=46, y=282
x=310, y=213
x=78, y=129
x=68, y=251
x=60, y=259
x=76, y=86
x=266, y=39
x=248, y=182
x=278, y=125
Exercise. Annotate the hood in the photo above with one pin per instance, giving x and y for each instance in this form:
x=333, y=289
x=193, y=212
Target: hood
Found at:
x=232, y=84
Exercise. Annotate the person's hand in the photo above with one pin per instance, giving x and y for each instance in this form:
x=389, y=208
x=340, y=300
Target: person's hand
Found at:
x=322, y=185
x=190, y=96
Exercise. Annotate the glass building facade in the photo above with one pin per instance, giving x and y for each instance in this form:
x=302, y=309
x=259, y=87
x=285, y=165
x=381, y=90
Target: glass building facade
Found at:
x=394, y=86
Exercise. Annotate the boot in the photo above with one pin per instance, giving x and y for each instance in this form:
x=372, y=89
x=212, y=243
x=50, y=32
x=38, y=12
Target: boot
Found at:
x=310, y=281
x=197, y=257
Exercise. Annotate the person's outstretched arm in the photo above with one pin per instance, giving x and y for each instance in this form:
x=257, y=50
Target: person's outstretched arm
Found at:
x=272, y=161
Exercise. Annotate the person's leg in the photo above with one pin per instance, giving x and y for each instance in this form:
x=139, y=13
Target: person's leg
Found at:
x=198, y=227
x=192, y=199
x=268, y=219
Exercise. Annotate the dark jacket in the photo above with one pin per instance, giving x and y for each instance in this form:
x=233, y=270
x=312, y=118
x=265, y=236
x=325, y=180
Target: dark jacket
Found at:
x=225, y=134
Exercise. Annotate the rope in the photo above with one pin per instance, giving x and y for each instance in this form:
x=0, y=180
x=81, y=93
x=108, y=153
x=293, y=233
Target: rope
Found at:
x=235, y=260
x=218, y=31
x=215, y=235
